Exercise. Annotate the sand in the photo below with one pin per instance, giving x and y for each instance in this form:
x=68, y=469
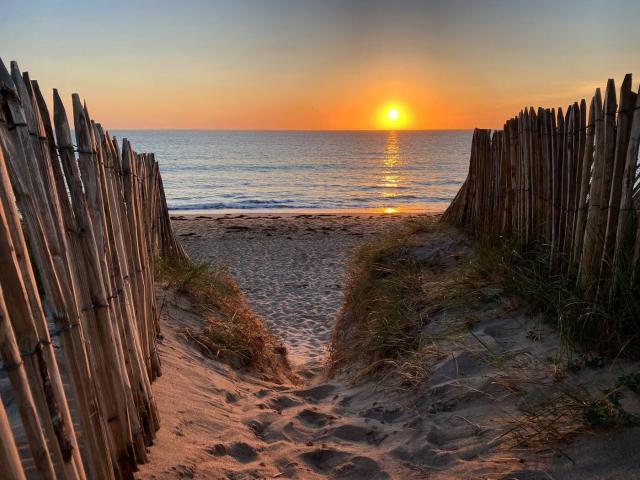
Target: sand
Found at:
x=290, y=266
x=221, y=424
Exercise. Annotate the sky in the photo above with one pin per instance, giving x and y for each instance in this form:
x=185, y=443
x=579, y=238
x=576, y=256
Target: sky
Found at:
x=320, y=65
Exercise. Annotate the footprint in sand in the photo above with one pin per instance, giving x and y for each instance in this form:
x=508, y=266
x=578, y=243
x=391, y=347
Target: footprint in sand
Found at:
x=241, y=451
x=341, y=465
x=360, y=468
x=314, y=418
x=383, y=414
x=324, y=459
x=356, y=433
x=282, y=403
x=316, y=393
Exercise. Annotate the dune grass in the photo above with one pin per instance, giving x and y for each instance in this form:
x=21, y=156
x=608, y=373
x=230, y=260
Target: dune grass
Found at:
x=231, y=331
x=380, y=322
x=394, y=292
x=607, y=325
x=390, y=296
x=385, y=292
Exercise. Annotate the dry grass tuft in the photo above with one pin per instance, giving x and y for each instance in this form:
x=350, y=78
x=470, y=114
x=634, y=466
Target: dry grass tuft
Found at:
x=392, y=293
x=607, y=325
x=381, y=320
x=232, y=333
x=561, y=417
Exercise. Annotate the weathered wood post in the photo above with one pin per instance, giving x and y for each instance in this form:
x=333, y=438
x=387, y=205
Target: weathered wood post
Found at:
x=10, y=465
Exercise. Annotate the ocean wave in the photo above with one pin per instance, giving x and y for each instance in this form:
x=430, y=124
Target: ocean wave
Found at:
x=308, y=170
x=242, y=205
x=256, y=204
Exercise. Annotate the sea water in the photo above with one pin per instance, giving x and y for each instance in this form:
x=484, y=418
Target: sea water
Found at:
x=310, y=170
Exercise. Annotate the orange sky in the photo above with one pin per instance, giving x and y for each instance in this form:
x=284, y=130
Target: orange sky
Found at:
x=320, y=65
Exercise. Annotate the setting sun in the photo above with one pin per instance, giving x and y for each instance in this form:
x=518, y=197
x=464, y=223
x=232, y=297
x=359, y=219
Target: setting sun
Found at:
x=393, y=116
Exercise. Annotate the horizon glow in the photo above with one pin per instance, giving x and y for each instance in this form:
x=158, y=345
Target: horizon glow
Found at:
x=331, y=65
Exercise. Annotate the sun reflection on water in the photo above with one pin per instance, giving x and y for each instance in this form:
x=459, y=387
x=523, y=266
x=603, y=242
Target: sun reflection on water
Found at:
x=390, y=180
x=391, y=150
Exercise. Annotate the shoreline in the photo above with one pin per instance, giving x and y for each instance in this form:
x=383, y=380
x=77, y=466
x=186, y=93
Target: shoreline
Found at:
x=407, y=211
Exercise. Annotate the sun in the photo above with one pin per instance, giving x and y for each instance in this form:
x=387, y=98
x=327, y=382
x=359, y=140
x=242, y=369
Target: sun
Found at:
x=393, y=116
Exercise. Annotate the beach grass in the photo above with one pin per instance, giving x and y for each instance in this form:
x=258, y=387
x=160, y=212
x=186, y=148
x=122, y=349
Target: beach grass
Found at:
x=382, y=306
x=392, y=293
x=231, y=331
x=607, y=326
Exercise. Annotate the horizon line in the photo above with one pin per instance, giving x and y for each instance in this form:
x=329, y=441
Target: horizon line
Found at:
x=295, y=130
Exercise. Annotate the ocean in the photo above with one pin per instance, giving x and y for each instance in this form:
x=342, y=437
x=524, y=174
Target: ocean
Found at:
x=227, y=171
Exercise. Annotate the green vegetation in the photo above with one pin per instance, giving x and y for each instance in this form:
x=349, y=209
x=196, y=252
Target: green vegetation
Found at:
x=231, y=332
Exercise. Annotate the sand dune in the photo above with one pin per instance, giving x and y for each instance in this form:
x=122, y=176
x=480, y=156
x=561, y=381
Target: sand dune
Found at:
x=457, y=424
x=291, y=266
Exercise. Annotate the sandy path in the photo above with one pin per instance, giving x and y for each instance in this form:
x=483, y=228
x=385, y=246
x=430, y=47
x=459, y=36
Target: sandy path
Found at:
x=221, y=424
x=218, y=424
x=291, y=267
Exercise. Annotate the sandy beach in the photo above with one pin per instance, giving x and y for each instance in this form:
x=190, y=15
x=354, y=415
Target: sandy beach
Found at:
x=290, y=266
x=487, y=366
x=256, y=240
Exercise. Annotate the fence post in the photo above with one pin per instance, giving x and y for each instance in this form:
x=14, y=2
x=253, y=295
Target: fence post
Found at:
x=10, y=465
x=622, y=132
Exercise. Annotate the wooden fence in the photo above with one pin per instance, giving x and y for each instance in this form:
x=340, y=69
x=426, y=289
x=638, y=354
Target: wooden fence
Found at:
x=80, y=228
x=564, y=181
